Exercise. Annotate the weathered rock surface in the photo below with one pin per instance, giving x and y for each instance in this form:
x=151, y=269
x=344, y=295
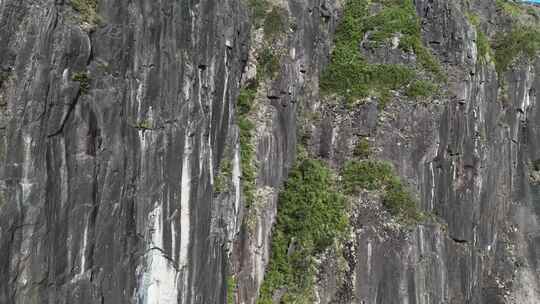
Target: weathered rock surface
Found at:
x=111, y=136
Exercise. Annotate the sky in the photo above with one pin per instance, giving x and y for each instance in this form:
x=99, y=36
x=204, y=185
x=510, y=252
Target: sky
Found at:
x=533, y=1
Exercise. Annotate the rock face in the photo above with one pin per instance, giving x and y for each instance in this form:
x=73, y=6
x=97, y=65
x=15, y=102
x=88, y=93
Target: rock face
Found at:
x=107, y=177
x=116, y=120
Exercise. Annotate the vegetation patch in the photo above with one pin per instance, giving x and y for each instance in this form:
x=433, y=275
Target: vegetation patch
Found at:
x=421, y=88
x=521, y=40
x=536, y=165
x=87, y=9
x=84, y=81
x=512, y=9
x=258, y=10
x=268, y=63
x=247, y=150
x=143, y=125
x=362, y=148
x=4, y=77
x=483, y=46
x=275, y=23
x=311, y=215
x=376, y=175
x=223, y=178
x=351, y=76
x=231, y=287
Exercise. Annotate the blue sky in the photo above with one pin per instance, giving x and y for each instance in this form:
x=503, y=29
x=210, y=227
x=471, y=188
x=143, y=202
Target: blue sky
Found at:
x=534, y=1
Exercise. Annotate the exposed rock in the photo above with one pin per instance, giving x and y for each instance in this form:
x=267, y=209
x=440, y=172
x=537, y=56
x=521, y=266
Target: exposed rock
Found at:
x=113, y=128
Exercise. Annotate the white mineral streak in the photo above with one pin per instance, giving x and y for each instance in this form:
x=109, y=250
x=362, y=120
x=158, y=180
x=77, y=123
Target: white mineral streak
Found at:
x=185, y=215
x=161, y=279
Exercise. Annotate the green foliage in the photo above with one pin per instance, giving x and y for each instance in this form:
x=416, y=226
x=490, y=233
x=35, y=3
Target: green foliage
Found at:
x=245, y=100
x=84, y=81
x=421, y=88
x=247, y=150
x=311, y=215
x=536, y=165
x=4, y=77
x=258, y=10
x=509, y=8
x=379, y=176
x=482, y=42
x=223, y=178
x=87, y=9
x=362, y=149
x=473, y=18
x=366, y=174
x=247, y=160
x=521, y=40
x=275, y=23
x=396, y=17
x=143, y=125
x=231, y=287
x=268, y=63
x=426, y=59
x=483, y=46
x=351, y=76
x=534, y=13
x=398, y=200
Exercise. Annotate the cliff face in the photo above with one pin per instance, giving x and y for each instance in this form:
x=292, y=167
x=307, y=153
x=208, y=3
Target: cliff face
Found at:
x=111, y=130
x=133, y=172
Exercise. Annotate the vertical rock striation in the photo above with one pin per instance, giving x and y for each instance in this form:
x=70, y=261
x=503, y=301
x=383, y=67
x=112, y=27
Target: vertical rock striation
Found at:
x=121, y=177
x=111, y=133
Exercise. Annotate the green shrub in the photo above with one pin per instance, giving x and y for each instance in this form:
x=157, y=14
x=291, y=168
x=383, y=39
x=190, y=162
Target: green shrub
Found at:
x=473, y=18
x=536, y=165
x=244, y=106
x=426, y=59
x=510, y=8
x=223, y=178
x=362, y=149
x=231, y=287
x=483, y=46
x=245, y=100
x=365, y=174
x=399, y=201
x=421, y=88
x=521, y=40
x=399, y=17
x=351, y=76
x=275, y=23
x=87, y=9
x=83, y=80
x=376, y=175
x=258, y=10
x=311, y=215
x=268, y=63
x=247, y=160
x=143, y=125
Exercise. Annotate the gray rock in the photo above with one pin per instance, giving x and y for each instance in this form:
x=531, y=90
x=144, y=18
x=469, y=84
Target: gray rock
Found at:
x=112, y=135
